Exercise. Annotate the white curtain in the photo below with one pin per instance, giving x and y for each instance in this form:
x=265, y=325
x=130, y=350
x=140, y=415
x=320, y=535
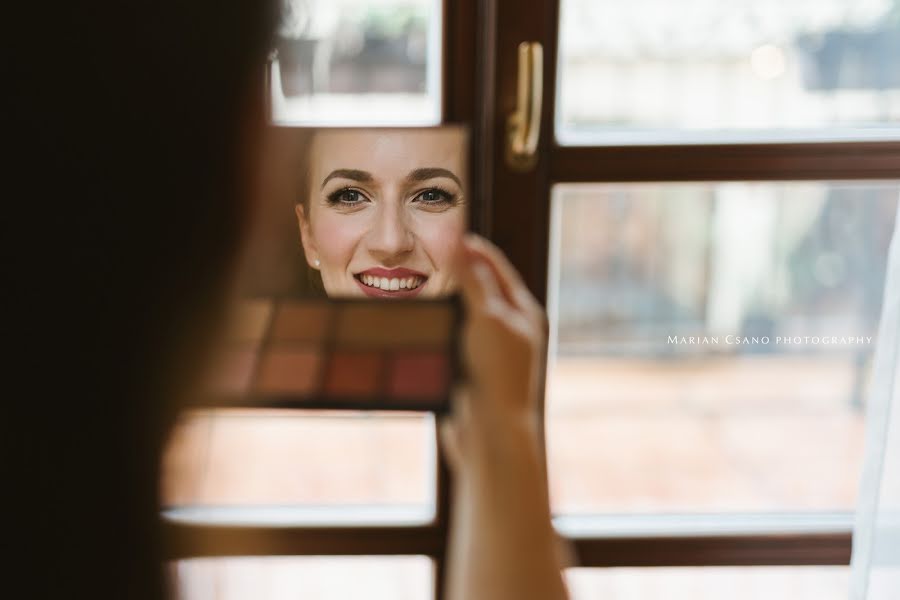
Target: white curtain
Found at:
x=876, y=537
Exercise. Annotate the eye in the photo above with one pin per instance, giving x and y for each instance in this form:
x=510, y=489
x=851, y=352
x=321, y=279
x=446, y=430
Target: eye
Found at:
x=434, y=196
x=346, y=197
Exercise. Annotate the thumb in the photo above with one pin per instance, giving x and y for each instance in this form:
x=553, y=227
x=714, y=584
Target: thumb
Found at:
x=477, y=282
x=448, y=434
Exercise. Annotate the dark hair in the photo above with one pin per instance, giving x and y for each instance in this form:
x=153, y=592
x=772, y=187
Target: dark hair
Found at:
x=133, y=125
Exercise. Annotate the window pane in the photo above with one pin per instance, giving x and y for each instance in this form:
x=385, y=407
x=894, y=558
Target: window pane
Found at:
x=358, y=62
x=651, y=71
x=269, y=466
x=711, y=583
x=711, y=344
x=309, y=578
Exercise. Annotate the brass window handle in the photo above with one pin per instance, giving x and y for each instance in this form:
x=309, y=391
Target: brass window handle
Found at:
x=523, y=127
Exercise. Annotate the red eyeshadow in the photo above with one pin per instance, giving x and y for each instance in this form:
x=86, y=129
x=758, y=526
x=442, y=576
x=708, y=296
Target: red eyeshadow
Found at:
x=418, y=375
x=353, y=374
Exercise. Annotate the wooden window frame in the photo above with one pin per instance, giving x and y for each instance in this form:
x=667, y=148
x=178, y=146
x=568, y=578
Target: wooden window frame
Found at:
x=517, y=217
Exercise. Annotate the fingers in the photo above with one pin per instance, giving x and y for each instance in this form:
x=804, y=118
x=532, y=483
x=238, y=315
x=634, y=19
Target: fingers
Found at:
x=510, y=283
x=482, y=251
x=477, y=282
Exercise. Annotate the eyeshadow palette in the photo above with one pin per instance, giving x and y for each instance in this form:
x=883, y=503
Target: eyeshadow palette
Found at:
x=340, y=354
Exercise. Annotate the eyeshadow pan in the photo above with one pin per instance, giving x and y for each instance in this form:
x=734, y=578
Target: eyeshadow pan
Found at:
x=298, y=322
x=353, y=373
x=248, y=321
x=418, y=375
x=339, y=353
x=232, y=370
x=288, y=371
x=416, y=324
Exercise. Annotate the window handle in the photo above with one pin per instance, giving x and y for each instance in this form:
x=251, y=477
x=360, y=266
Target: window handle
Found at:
x=523, y=127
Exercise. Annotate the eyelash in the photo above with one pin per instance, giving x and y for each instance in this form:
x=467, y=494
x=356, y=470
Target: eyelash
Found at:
x=445, y=198
x=334, y=198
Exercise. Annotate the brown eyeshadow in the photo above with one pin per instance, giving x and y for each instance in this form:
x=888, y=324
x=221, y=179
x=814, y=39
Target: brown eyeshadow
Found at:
x=248, y=321
x=418, y=375
x=353, y=373
x=414, y=325
x=297, y=322
x=288, y=371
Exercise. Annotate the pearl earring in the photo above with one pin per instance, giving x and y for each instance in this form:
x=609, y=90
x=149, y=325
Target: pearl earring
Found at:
x=316, y=262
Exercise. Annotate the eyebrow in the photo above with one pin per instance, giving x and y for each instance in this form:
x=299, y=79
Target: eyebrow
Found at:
x=422, y=174
x=431, y=173
x=354, y=174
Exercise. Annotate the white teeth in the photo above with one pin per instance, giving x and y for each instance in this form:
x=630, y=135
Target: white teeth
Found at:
x=392, y=285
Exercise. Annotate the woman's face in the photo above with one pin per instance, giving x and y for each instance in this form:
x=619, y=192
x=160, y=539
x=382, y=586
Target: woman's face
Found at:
x=385, y=211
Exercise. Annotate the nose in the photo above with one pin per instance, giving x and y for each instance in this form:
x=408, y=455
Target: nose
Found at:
x=390, y=235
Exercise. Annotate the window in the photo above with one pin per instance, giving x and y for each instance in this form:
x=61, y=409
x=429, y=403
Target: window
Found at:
x=654, y=71
x=712, y=343
x=676, y=145
x=670, y=143
x=280, y=466
x=358, y=62
x=325, y=578
x=739, y=583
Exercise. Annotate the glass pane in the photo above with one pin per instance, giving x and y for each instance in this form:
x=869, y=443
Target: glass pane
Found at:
x=270, y=466
x=307, y=577
x=654, y=71
x=711, y=344
x=358, y=62
x=710, y=583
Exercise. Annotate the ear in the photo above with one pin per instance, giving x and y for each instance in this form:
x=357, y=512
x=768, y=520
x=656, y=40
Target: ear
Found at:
x=309, y=245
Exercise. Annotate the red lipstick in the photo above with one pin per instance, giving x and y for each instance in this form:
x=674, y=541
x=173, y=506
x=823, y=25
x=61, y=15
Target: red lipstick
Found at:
x=398, y=273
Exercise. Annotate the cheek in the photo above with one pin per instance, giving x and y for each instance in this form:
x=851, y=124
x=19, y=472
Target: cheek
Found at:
x=336, y=237
x=440, y=235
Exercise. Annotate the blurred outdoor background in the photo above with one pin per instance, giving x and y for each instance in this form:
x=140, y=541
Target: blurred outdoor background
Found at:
x=657, y=71
x=714, y=426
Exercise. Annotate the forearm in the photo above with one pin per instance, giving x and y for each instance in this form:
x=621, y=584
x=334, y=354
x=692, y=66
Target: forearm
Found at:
x=502, y=544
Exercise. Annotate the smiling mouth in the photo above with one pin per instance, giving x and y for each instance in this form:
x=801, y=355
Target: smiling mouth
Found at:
x=391, y=284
